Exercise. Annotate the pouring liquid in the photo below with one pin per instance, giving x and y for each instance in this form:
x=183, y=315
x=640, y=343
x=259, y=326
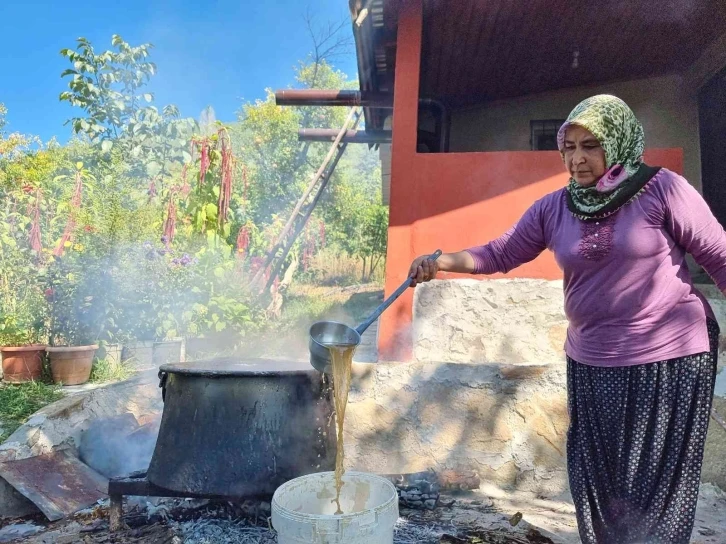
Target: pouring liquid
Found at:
x=341, y=356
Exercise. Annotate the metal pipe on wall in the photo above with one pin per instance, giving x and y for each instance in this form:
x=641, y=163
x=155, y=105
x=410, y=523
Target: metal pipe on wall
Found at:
x=351, y=136
x=317, y=97
x=366, y=99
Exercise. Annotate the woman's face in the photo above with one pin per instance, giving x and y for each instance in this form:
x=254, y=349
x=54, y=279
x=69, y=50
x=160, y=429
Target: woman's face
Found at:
x=584, y=156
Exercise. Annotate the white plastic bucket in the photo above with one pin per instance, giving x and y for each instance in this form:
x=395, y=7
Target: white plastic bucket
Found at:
x=303, y=510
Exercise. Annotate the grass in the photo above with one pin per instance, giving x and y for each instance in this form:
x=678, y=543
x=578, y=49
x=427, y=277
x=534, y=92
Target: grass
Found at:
x=109, y=370
x=19, y=401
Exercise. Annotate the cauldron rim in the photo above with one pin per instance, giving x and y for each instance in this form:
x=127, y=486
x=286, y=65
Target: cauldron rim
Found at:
x=233, y=366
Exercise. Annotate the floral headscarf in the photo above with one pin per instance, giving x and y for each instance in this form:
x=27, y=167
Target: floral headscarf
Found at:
x=621, y=136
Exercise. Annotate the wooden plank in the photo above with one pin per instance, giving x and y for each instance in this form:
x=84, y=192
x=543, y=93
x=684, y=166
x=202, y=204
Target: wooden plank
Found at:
x=58, y=483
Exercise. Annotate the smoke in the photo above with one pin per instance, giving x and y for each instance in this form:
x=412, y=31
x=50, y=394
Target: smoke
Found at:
x=119, y=446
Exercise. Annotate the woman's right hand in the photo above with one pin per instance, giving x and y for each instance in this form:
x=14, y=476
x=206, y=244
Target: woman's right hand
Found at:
x=423, y=269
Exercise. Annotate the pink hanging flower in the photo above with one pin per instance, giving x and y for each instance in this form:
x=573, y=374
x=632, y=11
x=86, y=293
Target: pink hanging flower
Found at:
x=321, y=232
x=185, y=188
x=170, y=221
x=77, y=191
x=243, y=241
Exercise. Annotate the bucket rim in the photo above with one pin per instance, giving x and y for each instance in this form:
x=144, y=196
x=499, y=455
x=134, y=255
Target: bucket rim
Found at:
x=301, y=516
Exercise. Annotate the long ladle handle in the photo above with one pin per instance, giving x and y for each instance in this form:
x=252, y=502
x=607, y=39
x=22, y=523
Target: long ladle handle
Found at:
x=386, y=303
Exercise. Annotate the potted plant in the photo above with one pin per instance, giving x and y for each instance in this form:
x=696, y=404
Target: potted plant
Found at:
x=22, y=350
x=72, y=336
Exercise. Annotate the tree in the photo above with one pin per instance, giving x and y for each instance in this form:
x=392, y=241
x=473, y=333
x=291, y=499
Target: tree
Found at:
x=109, y=88
x=357, y=221
x=11, y=144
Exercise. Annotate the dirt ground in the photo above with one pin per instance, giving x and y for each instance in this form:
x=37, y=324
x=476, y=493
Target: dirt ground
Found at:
x=488, y=515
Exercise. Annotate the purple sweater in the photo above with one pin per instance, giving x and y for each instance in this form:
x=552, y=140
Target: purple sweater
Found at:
x=629, y=296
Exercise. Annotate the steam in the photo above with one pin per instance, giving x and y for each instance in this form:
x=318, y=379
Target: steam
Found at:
x=119, y=446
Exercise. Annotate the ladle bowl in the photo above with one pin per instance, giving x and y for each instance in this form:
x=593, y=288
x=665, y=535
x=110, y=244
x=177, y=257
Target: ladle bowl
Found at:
x=327, y=333
x=332, y=333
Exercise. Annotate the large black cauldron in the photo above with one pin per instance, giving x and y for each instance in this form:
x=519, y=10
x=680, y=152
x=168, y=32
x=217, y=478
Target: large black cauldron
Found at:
x=235, y=429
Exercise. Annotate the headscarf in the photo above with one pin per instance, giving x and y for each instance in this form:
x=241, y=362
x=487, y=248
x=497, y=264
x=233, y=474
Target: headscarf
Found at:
x=621, y=136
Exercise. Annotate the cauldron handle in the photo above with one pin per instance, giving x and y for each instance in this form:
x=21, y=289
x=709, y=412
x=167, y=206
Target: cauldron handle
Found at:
x=162, y=383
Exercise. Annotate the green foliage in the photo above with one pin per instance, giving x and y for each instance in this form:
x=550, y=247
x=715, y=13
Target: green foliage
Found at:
x=19, y=401
x=104, y=272
x=106, y=86
x=109, y=370
x=358, y=219
x=72, y=310
x=11, y=144
x=109, y=89
x=24, y=325
x=22, y=306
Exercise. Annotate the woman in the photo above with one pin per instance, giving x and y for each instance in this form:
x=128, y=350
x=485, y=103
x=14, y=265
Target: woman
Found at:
x=642, y=341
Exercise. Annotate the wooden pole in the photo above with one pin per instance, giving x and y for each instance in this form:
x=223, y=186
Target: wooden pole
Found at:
x=279, y=243
x=308, y=212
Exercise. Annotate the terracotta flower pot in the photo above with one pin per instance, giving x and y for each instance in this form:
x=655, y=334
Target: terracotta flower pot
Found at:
x=22, y=363
x=71, y=365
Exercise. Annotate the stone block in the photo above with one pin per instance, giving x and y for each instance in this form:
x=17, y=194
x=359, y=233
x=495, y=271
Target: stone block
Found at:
x=507, y=321
x=421, y=416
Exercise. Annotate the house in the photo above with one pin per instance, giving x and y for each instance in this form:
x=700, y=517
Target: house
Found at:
x=480, y=88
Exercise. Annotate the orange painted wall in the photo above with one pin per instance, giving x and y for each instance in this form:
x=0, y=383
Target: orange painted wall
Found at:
x=455, y=200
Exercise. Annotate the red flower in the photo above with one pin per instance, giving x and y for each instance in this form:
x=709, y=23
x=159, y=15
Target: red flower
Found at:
x=243, y=241
x=49, y=293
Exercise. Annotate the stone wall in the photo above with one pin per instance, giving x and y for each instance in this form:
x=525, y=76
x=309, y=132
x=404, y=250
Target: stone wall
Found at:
x=507, y=321
x=506, y=422
x=488, y=391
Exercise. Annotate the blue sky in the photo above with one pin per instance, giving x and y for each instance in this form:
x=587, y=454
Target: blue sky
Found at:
x=208, y=52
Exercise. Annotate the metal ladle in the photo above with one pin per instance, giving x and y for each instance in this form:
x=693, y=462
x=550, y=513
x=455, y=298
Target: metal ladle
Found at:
x=332, y=333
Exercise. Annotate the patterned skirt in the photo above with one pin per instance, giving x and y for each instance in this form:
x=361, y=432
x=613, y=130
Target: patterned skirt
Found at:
x=635, y=446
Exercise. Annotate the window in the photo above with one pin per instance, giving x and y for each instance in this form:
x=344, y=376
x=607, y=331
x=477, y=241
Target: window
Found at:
x=543, y=134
